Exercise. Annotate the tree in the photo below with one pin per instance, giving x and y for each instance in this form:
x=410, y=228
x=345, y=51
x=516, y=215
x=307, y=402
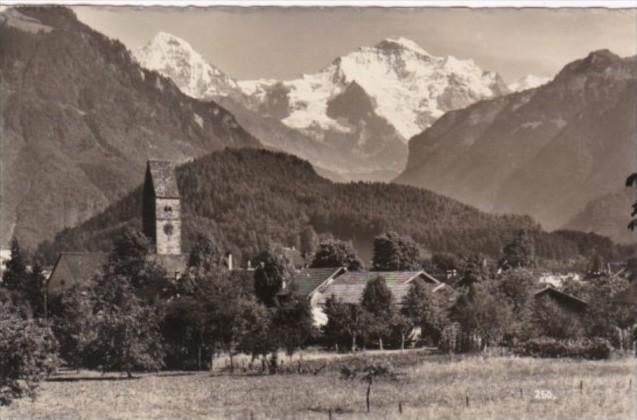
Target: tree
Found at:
x=34, y=288
x=604, y=317
x=205, y=255
x=308, y=241
x=15, y=273
x=400, y=327
x=335, y=253
x=632, y=181
x=393, y=252
x=128, y=334
x=377, y=304
x=334, y=329
x=425, y=309
x=516, y=287
x=520, y=253
x=224, y=308
x=127, y=327
x=474, y=270
x=26, y=286
x=257, y=339
x=369, y=372
x=28, y=354
x=292, y=327
x=129, y=259
x=74, y=325
x=483, y=311
x=345, y=322
x=270, y=273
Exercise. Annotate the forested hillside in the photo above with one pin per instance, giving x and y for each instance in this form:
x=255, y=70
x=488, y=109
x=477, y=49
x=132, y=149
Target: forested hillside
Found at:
x=248, y=198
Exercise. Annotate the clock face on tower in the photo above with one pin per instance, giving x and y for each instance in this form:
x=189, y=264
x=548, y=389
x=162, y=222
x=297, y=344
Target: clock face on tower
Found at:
x=168, y=229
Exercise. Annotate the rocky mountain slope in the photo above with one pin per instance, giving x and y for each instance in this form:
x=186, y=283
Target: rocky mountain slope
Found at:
x=79, y=118
x=546, y=152
x=357, y=112
x=529, y=81
x=607, y=215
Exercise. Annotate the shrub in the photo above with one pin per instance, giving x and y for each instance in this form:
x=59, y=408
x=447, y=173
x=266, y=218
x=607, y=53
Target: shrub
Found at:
x=593, y=349
x=27, y=354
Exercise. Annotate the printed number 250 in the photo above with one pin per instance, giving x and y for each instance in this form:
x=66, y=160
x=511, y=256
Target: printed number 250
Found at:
x=543, y=394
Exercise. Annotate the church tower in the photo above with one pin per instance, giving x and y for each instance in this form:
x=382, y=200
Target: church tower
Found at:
x=161, y=217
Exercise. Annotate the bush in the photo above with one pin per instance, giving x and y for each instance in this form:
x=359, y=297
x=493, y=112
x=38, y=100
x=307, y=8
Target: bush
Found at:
x=593, y=349
x=27, y=354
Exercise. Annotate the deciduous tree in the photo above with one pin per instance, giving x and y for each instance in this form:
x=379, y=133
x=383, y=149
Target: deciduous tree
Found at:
x=28, y=354
x=427, y=310
x=335, y=253
x=377, y=304
x=270, y=273
x=393, y=252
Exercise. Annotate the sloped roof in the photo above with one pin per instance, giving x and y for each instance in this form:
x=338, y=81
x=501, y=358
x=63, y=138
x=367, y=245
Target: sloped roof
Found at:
x=79, y=268
x=308, y=279
x=391, y=277
x=76, y=268
x=349, y=286
x=569, y=299
x=162, y=173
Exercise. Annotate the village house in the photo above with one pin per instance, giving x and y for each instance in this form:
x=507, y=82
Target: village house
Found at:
x=564, y=300
x=318, y=284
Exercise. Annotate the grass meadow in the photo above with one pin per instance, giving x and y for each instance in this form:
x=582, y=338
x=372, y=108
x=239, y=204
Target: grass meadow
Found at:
x=429, y=387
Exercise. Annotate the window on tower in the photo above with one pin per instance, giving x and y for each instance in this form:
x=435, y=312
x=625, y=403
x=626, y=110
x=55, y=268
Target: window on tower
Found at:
x=168, y=209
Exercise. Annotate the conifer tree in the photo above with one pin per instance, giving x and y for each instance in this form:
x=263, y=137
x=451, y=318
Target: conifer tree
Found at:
x=15, y=273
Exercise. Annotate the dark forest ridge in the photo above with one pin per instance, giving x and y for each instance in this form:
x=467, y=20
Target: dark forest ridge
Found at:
x=249, y=198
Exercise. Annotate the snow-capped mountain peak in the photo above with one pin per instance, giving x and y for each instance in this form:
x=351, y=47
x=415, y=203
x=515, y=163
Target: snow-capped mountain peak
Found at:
x=401, y=43
x=409, y=87
x=528, y=82
x=177, y=59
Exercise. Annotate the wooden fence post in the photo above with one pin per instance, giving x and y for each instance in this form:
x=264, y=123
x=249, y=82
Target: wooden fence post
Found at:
x=400, y=407
x=581, y=386
x=467, y=400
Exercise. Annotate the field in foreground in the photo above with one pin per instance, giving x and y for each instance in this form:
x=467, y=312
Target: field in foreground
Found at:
x=435, y=388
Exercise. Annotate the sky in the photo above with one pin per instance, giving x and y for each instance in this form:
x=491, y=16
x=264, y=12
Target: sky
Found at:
x=283, y=43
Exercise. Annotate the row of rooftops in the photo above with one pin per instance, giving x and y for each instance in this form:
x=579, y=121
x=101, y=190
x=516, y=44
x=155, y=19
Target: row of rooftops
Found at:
x=80, y=268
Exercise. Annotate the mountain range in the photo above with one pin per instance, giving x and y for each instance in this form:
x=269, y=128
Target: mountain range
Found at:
x=80, y=116
x=552, y=152
x=351, y=119
x=79, y=120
